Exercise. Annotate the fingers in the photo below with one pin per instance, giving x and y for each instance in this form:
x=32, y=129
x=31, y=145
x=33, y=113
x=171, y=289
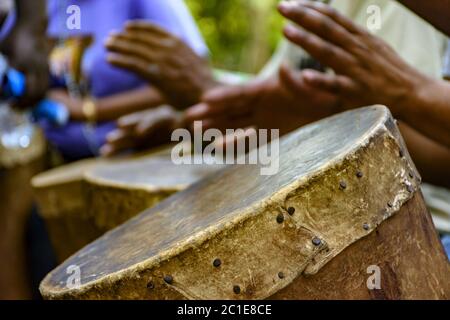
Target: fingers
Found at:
x=154, y=120
x=150, y=41
x=117, y=141
x=292, y=80
x=129, y=121
x=325, y=52
x=335, y=84
x=233, y=140
x=134, y=64
x=218, y=101
x=225, y=95
x=223, y=123
x=131, y=47
x=144, y=25
x=319, y=24
x=324, y=9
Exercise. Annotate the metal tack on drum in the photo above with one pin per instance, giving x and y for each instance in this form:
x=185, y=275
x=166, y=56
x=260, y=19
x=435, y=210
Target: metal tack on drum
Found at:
x=217, y=263
x=316, y=241
x=168, y=279
x=280, y=218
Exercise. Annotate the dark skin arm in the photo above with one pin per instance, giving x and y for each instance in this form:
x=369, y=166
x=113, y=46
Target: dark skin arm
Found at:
x=144, y=129
x=431, y=158
x=437, y=12
x=368, y=71
x=27, y=48
x=114, y=106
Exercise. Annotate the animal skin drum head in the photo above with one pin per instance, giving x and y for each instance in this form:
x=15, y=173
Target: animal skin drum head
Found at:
x=339, y=179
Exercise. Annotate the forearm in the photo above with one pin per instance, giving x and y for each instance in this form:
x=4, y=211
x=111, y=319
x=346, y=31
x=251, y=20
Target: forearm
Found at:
x=31, y=13
x=427, y=110
x=115, y=106
x=434, y=11
x=431, y=158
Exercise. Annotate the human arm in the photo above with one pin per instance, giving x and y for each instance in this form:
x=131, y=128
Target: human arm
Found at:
x=436, y=12
x=367, y=70
x=113, y=106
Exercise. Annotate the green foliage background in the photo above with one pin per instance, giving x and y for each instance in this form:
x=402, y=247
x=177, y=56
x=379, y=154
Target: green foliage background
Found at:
x=241, y=34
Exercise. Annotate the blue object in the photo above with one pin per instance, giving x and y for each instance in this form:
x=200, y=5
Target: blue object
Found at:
x=54, y=112
x=446, y=242
x=13, y=86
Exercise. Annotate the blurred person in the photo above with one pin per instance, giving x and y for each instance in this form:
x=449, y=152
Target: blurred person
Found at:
x=111, y=92
x=23, y=42
x=25, y=46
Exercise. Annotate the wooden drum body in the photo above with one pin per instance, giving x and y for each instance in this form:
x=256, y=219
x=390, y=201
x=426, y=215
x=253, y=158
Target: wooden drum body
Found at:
x=345, y=201
x=60, y=196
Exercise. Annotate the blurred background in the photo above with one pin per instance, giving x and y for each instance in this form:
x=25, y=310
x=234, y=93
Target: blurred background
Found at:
x=241, y=34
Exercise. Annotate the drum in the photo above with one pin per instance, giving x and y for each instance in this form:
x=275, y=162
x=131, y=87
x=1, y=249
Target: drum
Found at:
x=117, y=192
x=22, y=155
x=60, y=197
x=83, y=200
x=343, y=217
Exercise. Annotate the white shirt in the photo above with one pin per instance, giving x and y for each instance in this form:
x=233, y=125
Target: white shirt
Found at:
x=446, y=69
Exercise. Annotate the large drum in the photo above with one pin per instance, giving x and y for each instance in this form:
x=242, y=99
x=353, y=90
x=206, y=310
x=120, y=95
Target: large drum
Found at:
x=343, y=218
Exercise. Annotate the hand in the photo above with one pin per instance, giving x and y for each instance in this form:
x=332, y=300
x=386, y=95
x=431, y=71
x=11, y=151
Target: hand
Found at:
x=143, y=129
x=73, y=105
x=164, y=60
x=267, y=104
x=367, y=70
x=27, y=50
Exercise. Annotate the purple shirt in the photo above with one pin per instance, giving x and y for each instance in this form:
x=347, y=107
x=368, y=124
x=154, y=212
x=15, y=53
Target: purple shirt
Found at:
x=100, y=17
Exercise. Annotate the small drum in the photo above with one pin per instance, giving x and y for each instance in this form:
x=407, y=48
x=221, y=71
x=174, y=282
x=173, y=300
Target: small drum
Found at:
x=83, y=200
x=117, y=192
x=60, y=196
x=342, y=219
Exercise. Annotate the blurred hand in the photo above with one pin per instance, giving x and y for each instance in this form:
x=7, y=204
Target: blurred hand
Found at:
x=27, y=50
x=142, y=129
x=164, y=60
x=368, y=71
x=267, y=104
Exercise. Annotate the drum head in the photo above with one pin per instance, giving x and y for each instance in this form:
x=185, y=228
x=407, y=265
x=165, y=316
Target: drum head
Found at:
x=157, y=173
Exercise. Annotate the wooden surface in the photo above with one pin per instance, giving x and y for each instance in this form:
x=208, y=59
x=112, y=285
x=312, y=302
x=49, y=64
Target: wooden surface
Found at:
x=338, y=181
